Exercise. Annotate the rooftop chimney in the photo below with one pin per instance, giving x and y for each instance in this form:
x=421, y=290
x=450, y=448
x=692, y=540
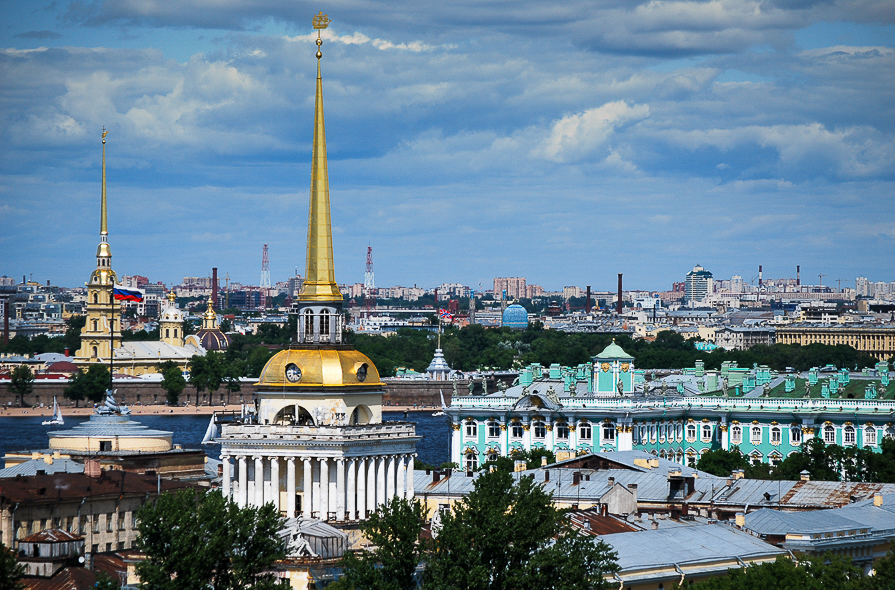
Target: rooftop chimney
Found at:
x=519, y=465
x=805, y=475
x=587, y=301
x=618, y=306
x=543, y=461
x=654, y=525
x=740, y=519
x=759, y=275
x=877, y=499
x=798, y=276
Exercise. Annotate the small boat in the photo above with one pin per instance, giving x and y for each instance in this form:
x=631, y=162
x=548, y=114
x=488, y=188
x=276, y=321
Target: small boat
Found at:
x=57, y=415
x=438, y=413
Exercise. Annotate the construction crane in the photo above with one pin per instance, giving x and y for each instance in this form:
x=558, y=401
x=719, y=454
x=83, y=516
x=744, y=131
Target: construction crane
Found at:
x=821, y=278
x=839, y=285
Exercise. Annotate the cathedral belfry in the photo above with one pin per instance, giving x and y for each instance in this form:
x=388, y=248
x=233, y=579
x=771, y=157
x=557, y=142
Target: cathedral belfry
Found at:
x=97, y=339
x=314, y=442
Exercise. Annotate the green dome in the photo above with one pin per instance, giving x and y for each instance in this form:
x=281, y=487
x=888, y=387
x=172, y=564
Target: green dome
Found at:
x=614, y=351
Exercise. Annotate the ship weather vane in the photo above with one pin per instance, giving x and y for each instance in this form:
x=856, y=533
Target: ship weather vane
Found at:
x=321, y=21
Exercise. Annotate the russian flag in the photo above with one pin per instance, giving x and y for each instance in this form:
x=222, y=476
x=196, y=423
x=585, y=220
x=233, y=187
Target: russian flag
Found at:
x=122, y=294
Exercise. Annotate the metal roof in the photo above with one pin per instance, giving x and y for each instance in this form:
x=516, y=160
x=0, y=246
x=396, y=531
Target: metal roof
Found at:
x=32, y=466
x=778, y=522
x=685, y=545
x=109, y=426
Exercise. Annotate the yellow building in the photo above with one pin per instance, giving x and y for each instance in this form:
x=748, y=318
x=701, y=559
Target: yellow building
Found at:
x=877, y=341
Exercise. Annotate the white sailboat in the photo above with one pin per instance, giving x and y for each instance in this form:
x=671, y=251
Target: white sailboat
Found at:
x=57, y=415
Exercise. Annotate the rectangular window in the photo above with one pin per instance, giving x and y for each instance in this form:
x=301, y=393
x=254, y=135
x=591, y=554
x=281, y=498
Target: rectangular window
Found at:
x=516, y=430
x=110, y=518
x=493, y=430
x=870, y=435
x=691, y=432
x=775, y=436
x=94, y=518
x=795, y=436
x=736, y=435
x=120, y=521
x=706, y=433
x=584, y=432
x=540, y=430
x=562, y=431
x=471, y=430
x=608, y=432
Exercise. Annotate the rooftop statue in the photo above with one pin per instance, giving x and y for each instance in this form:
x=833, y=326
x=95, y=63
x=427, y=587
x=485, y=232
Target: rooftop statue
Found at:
x=724, y=386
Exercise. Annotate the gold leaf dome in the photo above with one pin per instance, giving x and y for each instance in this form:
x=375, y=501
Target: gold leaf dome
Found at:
x=318, y=367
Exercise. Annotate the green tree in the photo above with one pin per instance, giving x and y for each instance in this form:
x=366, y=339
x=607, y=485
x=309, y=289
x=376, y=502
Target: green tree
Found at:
x=106, y=582
x=394, y=531
x=173, y=381
x=508, y=534
x=827, y=572
x=21, y=381
x=199, y=539
x=90, y=384
x=722, y=463
x=884, y=574
x=11, y=571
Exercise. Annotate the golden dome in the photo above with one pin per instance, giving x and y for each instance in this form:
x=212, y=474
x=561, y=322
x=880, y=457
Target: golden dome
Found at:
x=315, y=367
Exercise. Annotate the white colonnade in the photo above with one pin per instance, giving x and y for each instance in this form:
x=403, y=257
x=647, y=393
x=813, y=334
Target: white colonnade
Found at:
x=329, y=488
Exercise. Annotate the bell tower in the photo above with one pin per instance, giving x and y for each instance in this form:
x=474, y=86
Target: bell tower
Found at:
x=100, y=334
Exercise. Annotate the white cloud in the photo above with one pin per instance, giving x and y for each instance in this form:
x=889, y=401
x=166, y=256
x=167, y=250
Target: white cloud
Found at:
x=575, y=137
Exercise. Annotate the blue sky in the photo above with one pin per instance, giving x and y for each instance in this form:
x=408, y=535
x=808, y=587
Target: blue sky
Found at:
x=563, y=142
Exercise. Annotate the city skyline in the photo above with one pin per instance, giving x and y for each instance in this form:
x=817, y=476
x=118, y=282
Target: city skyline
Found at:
x=564, y=144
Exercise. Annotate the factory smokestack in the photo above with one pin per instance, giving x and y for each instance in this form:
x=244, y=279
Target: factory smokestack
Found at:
x=798, y=276
x=759, y=275
x=618, y=306
x=587, y=301
x=214, y=287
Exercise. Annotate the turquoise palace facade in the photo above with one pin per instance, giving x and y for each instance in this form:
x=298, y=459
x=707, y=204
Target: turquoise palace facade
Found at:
x=607, y=405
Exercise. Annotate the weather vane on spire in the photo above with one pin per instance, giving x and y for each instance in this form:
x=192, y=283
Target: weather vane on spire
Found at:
x=321, y=21
x=105, y=133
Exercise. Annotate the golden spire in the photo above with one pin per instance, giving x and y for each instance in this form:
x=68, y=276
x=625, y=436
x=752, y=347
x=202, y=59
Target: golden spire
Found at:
x=320, y=277
x=103, y=224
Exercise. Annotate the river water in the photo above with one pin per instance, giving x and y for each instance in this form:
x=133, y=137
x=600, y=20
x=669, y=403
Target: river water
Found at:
x=27, y=433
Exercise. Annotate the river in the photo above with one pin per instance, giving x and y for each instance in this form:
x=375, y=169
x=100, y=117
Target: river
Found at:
x=27, y=433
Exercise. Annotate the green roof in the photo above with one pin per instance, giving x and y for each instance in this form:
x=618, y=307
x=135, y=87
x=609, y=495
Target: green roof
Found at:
x=614, y=351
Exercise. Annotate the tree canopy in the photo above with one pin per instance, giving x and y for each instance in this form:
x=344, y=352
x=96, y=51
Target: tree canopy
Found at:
x=21, y=380
x=199, y=539
x=88, y=385
x=11, y=571
x=507, y=534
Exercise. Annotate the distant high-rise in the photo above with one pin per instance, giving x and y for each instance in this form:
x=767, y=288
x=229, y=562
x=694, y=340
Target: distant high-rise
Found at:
x=863, y=287
x=514, y=286
x=736, y=284
x=698, y=284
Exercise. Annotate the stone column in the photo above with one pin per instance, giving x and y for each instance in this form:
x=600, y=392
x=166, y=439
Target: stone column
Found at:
x=410, y=484
x=352, y=489
x=290, y=487
x=372, y=483
x=308, y=489
x=324, y=489
x=259, y=480
x=526, y=434
x=225, y=463
x=401, y=476
x=361, y=488
x=340, y=489
x=380, y=481
x=243, y=496
x=504, y=440
x=275, y=482
x=456, y=442
x=390, y=479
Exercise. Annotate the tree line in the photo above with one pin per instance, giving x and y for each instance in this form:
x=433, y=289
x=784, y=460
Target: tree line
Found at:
x=823, y=462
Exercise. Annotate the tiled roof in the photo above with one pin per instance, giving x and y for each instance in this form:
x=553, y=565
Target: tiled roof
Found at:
x=50, y=536
x=65, y=486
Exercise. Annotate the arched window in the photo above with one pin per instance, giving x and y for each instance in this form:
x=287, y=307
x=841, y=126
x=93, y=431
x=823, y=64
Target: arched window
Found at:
x=95, y=351
x=167, y=333
x=661, y=433
x=493, y=429
x=472, y=462
x=608, y=432
x=492, y=456
x=471, y=429
x=691, y=432
x=309, y=324
x=652, y=432
x=890, y=432
x=829, y=434
x=736, y=434
x=95, y=297
x=584, y=431
x=870, y=435
x=324, y=322
x=175, y=332
x=540, y=429
x=706, y=432
x=679, y=432
x=795, y=435
x=562, y=431
x=848, y=435
x=516, y=430
x=756, y=436
x=776, y=435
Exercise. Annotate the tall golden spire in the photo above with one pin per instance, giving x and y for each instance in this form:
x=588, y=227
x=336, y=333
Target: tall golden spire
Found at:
x=320, y=276
x=103, y=224
x=104, y=250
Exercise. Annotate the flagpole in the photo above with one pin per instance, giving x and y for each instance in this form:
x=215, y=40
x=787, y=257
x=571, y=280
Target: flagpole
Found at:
x=439, y=328
x=112, y=337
